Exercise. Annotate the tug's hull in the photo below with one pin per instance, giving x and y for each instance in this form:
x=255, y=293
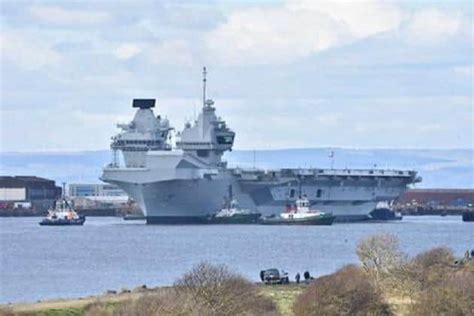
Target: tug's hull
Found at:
x=325, y=220
x=236, y=219
x=63, y=222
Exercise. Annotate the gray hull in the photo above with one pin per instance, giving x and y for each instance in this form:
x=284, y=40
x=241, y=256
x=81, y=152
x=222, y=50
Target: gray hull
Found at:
x=192, y=201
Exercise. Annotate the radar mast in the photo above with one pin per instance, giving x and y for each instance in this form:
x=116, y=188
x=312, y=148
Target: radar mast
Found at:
x=204, y=73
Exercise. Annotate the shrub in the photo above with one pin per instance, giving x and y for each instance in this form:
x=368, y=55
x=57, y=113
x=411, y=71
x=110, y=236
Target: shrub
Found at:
x=6, y=312
x=346, y=292
x=162, y=303
x=99, y=308
x=431, y=268
x=443, y=289
x=223, y=292
x=446, y=300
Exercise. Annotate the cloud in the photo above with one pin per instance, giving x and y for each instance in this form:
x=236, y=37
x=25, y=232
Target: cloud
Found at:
x=466, y=70
x=171, y=52
x=287, y=32
x=127, y=50
x=327, y=67
x=431, y=27
x=26, y=51
x=362, y=17
x=68, y=17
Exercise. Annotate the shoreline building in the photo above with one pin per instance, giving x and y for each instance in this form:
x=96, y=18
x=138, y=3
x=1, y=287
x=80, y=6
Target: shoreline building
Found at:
x=94, y=189
x=30, y=192
x=95, y=196
x=438, y=197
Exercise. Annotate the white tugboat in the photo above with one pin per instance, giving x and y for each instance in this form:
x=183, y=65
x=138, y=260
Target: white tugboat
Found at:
x=301, y=214
x=231, y=213
x=62, y=215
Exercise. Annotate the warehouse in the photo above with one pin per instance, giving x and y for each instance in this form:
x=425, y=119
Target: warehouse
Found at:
x=37, y=193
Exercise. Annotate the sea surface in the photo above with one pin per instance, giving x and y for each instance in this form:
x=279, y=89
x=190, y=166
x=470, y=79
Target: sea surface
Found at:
x=40, y=263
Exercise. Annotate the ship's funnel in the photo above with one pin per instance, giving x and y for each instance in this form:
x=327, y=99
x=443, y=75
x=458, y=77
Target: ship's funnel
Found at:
x=143, y=103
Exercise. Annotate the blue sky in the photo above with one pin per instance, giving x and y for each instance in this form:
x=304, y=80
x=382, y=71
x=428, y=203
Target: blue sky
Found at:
x=364, y=74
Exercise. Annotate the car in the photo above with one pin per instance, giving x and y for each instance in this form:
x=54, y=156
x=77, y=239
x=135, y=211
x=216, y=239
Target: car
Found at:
x=274, y=276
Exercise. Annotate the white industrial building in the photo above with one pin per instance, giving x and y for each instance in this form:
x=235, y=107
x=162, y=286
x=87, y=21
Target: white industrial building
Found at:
x=95, y=190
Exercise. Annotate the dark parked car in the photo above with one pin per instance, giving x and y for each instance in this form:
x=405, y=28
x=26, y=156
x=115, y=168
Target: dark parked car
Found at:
x=273, y=276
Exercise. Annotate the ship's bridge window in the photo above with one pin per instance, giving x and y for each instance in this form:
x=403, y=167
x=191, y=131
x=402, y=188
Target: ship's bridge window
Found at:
x=303, y=204
x=225, y=140
x=319, y=193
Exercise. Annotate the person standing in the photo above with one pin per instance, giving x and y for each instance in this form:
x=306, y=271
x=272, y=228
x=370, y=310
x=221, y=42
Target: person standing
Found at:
x=306, y=276
x=297, y=278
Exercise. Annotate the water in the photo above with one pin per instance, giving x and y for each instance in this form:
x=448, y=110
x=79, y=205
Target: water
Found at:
x=107, y=253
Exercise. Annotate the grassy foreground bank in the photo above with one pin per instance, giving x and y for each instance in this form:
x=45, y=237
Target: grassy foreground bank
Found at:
x=284, y=296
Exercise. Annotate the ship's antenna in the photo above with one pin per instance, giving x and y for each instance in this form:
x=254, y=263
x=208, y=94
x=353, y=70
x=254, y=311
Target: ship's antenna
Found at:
x=204, y=73
x=331, y=155
x=254, y=158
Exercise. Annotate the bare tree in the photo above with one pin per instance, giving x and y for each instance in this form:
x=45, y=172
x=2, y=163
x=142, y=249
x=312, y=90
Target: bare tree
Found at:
x=380, y=256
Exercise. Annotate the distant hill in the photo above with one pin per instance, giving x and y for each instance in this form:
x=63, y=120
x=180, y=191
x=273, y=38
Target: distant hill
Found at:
x=450, y=168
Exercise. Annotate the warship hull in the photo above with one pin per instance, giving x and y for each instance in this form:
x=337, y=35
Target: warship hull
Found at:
x=192, y=201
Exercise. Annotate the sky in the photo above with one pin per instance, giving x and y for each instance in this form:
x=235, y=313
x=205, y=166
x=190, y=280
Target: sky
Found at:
x=283, y=74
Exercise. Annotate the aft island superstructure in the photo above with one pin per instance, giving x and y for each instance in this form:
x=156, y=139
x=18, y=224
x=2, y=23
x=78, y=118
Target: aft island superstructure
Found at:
x=189, y=183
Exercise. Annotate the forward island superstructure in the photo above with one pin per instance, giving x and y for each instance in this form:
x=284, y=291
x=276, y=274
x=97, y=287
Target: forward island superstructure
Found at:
x=188, y=183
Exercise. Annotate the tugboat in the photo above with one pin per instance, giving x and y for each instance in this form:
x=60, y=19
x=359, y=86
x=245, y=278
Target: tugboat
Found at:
x=231, y=213
x=62, y=215
x=468, y=216
x=300, y=214
x=385, y=212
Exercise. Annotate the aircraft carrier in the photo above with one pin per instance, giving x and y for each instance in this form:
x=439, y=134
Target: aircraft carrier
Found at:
x=189, y=182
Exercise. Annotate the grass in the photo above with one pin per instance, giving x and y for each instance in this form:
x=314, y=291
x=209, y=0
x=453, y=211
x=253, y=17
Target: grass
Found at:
x=59, y=312
x=400, y=305
x=283, y=295
x=70, y=307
